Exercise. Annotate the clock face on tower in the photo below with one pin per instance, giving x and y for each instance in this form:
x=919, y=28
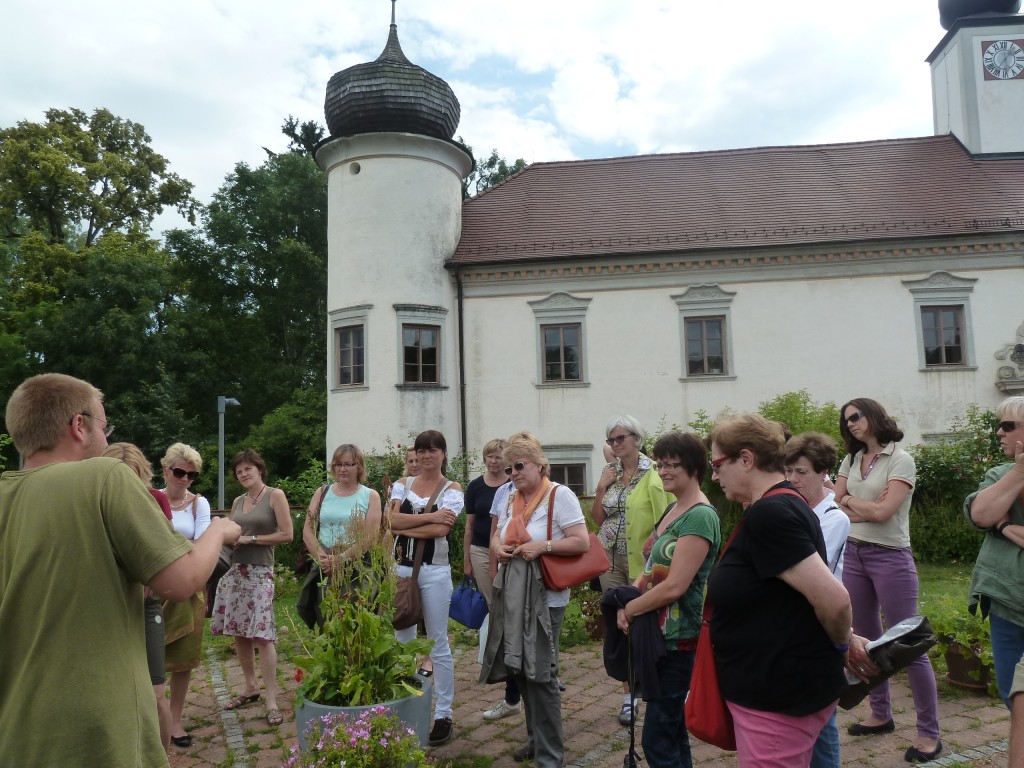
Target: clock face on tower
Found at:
x=1002, y=59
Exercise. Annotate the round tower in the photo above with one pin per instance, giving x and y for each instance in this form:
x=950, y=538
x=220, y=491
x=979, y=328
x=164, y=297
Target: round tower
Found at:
x=394, y=217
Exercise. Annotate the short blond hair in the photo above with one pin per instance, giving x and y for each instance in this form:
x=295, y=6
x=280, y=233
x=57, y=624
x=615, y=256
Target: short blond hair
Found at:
x=182, y=452
x=41, y=408
x=525, y=447
x=357, y=456
x=1011, y=409
x=133, y=456
x=497, y=445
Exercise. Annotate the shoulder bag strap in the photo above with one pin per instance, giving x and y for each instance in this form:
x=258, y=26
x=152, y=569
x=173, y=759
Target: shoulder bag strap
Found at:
x=551, y=507
x=319, y=507
x=417, y=558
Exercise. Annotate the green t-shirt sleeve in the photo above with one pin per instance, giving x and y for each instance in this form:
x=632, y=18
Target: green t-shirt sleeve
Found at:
x=143, y=540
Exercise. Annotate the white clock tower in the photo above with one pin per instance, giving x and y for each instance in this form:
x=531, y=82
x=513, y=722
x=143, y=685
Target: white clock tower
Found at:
x=978, y=76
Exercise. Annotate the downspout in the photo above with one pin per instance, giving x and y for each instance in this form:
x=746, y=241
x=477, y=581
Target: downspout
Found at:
x=462, y=361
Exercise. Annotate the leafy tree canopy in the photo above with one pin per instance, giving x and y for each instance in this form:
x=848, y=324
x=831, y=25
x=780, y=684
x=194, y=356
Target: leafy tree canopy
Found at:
x=77, y=176
x=488, y=173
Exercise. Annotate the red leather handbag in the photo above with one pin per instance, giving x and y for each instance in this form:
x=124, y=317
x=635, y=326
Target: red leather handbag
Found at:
x=564, y=571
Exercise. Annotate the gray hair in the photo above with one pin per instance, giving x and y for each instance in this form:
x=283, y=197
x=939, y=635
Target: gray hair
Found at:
x=630, y=424
x=1011, y=408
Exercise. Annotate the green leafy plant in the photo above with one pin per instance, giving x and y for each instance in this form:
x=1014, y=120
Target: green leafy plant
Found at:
x=958, y=631
x=355, y=660
x=375, y=739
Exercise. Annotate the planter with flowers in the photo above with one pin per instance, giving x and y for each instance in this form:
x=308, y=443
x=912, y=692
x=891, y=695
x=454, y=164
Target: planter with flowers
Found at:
x=376, y=738
x=355, y=664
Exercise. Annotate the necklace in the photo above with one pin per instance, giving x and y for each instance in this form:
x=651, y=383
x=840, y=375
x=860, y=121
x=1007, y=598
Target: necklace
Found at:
x=257, y=498
x=182, y=502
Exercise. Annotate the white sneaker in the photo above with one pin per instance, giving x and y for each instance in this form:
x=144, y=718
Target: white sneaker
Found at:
x=502, y=709
x=626, y=713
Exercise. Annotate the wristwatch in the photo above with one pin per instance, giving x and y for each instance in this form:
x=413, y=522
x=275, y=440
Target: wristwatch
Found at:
x=254, y=537
x=548, y=548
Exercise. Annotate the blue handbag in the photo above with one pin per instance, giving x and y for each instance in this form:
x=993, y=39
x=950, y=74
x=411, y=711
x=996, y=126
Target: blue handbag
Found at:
x=468, y=605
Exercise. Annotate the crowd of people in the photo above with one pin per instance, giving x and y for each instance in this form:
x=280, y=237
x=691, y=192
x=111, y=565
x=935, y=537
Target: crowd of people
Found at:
x=812, y=570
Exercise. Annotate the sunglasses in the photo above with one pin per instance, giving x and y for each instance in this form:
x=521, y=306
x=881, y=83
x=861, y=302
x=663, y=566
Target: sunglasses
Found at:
x=1009, y=426
x=618, y=440
x=853, y=418
x=719, y=462
x=518, y=467
x=179, y=473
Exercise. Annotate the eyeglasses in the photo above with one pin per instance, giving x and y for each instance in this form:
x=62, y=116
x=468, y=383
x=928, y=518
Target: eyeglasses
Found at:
x=618, y=440
x=1009, y=426
x=719, y=462
x=670, y=465
x=853, y=418
x=518, y=467
x=108, y=428
x=179, y=473
x=345, y=465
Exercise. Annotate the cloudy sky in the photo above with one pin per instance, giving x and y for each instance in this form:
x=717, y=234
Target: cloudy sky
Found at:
x=213, y=80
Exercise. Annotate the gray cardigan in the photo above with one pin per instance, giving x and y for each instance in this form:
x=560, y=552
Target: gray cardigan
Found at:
x=519, y=637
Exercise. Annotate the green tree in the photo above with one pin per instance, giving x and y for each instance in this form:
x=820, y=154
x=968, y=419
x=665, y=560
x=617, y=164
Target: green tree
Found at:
x=253, y=282
x=77, y=176
x=488, y=173
x=801, y=413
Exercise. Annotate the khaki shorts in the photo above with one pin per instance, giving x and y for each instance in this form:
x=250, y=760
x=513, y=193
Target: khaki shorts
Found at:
x=1018, y=679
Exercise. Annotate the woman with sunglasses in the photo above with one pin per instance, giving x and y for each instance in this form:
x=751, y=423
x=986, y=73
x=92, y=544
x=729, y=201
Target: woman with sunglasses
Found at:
x=681, y=551
x=997, y=507
x=415, y=528
x=874, y=488
x=780, y=622
x=628, y=501
x=244, y=606
x=525, y=620
x=190, y=515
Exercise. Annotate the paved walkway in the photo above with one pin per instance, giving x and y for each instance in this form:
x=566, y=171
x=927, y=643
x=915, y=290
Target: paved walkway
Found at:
x=974, y=726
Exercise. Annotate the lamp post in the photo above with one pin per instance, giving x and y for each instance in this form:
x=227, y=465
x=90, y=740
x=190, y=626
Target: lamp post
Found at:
x=222, y=404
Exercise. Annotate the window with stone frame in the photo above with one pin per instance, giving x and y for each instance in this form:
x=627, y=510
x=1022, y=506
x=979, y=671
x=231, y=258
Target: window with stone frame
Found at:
x=573, y=476
x=421, y=354
x=349, y=356
x=942, y=331
x=705, y=346
x=563, y=352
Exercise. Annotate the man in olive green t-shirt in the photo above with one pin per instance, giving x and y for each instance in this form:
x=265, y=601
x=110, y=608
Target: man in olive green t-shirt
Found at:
x=79, y=537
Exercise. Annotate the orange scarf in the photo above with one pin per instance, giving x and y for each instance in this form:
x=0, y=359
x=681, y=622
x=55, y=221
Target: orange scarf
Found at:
x=515, y=533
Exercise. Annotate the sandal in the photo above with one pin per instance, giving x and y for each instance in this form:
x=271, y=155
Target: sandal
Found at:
x=274, y=716
x=242, y=701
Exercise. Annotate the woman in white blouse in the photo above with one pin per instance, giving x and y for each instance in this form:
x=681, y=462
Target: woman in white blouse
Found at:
x=414, y=528
x=190, y=515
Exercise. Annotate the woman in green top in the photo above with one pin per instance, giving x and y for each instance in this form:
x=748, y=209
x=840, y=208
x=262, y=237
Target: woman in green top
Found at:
x=998, y=581
x=628, y=500
x=680, y=552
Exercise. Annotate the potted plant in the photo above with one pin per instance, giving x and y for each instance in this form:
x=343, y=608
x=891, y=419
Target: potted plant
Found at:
x=354, y=663
x=376, y=738
x=963, y=641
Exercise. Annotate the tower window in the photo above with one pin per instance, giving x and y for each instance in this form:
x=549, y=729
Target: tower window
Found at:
x=421, y=354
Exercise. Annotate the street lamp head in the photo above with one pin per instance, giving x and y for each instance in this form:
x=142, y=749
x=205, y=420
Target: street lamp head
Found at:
x=223, y=402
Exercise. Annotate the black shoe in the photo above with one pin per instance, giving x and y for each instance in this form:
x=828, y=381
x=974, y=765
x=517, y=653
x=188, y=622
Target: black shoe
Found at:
x=181, y=741
x=441, y=733
x=561, y=685
x=915, y=755
x=871, y=730
x=523, y=753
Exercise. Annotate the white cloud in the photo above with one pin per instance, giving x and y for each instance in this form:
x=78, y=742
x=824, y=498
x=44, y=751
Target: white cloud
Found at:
x=213, y=81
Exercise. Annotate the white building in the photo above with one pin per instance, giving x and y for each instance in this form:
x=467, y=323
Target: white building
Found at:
x=661, y=285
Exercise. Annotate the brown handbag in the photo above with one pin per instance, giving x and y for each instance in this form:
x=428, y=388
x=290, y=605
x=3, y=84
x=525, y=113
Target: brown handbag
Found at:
x=408, y=601
x=564, y=571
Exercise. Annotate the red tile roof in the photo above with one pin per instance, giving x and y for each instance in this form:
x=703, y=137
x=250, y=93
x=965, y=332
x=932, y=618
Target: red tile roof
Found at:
x=742, y=198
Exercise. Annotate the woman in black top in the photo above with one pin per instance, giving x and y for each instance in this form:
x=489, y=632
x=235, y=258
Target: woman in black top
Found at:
x=781, y=623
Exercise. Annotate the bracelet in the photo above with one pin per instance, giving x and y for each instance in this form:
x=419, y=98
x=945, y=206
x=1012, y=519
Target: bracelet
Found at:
x=1002, y=527
x=841, y=647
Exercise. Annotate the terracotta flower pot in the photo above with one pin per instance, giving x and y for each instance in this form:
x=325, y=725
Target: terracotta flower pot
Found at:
x=965, y=669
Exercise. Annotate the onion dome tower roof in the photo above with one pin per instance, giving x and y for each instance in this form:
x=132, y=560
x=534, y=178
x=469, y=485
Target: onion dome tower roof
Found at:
x=951, y=10
x=390, y=94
